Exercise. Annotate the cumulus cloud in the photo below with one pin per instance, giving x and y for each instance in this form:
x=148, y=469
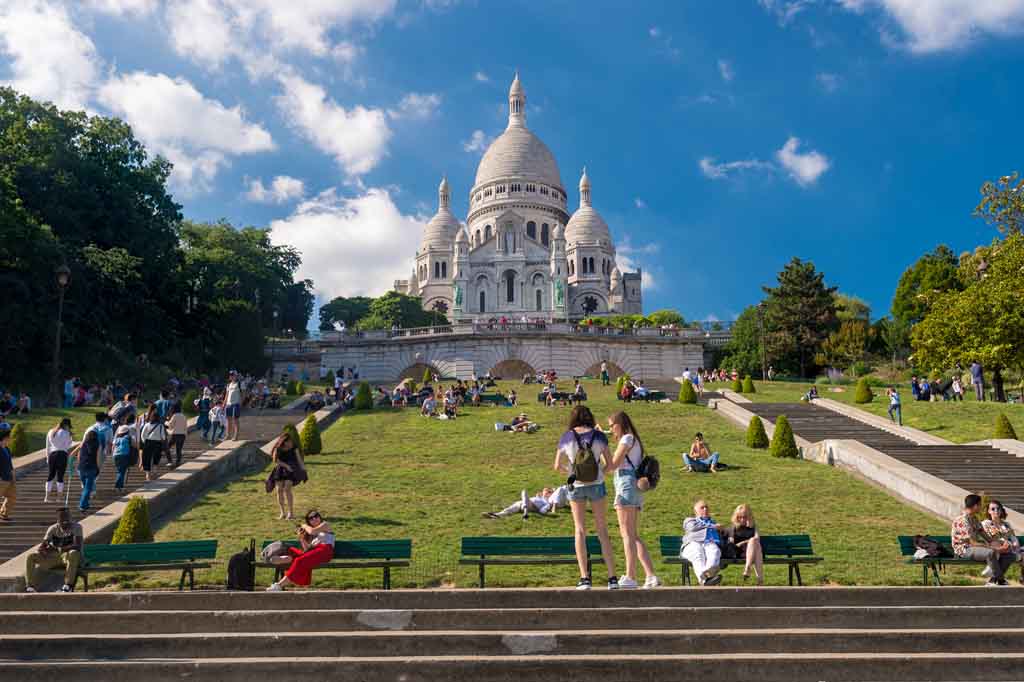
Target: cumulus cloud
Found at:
x=197, y=134
x=939, y=25
x=725, y=70
x=357, y=138
x=630, y=258
x=481, y=77
x=416, y=106
x=477, y=143
x=639, y=203
x=829, y=82
x=805, y=168
x=785, y=10
x=50, y=59
x=283, y=188
x=720, y=171
x=330, y=230
x=119, y=7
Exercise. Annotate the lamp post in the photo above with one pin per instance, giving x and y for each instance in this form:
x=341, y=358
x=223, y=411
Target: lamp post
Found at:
x=63, y=276
x=764, y=350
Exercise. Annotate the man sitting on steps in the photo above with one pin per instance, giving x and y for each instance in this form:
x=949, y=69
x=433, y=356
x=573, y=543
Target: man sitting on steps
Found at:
x=61, y=548
x=971, y=542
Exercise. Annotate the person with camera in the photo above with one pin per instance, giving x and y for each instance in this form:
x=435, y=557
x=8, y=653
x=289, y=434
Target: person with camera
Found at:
x=61, y=548
x=583, y=454
x=317, y=541
x=629, y=499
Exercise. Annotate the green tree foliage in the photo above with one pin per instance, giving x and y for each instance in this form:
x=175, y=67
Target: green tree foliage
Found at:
x=300, y=388
x=737, y=385
x=346, y=310
x=1003, y=428
x=984, y=321
x=329, y=379
x=748, y=385
x=757, y=437
x=620, y=382
x=291, y=387
x=293, y=436
x=800, y=315
x=364, y=400
x=846, y=345
x=398, y=309
x=134, y=526
x=1002, y=204
x=743, y=352
x=851, y=308
x=686, y=393
x=18, y=443
x=923, y=282
x=428, y=376
x=894, y=335
x=188, y=402
x=863, y=393
x=310, y=437
x=783, y=443
x=660, y=318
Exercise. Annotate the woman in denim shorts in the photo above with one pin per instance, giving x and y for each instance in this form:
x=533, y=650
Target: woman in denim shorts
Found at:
x=581, y=433
x=629, y=499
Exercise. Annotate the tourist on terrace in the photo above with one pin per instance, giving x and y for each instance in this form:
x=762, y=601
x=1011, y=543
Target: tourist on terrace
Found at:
x=87, y=454
x=629, y=499
x=58, y=444
x=578, y=394
x=203, y=405
x=317, y=540
x=701, y=544
x=894, y=405
x=153, y=437
x=700, y=459
x=233, y=405
x=958, y=388
x=289, y=470
x=971, y=542
x=978, y=380
x=8, y=489
x=581, y=436
x=177, y=429
x=218, y=421
x=61, y=548
x=743, y=542
x=125, y=451
x=812, y=393
x=545, y=502
x=999, y=531
x=605, y=378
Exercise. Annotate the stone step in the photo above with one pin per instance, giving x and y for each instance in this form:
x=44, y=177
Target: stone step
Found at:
x=764, y=667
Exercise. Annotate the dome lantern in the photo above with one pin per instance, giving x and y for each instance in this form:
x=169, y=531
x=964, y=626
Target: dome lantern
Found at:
x=584, y=188
x=516, y=103
x=443, y=194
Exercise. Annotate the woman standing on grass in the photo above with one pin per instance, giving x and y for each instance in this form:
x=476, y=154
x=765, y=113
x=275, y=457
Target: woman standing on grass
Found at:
x=629, y=499
x=58, y=444
x=289, y=470
x=581, y=441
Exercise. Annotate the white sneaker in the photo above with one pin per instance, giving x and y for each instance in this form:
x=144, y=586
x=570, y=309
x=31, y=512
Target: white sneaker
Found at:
x=29, y=588
x=986, y=572
x=627, y=583
x=652, y=582
x=275, y=587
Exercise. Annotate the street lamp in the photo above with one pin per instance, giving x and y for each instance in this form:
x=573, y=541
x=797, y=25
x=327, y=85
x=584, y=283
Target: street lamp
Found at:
x=764, y=350
x=63, y=276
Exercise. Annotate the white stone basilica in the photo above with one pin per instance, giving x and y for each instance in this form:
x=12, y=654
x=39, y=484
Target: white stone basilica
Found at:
x=513, y=257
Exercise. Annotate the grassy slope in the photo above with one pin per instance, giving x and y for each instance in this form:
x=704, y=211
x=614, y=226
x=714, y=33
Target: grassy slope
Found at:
x=395, y=474
x=959, y=422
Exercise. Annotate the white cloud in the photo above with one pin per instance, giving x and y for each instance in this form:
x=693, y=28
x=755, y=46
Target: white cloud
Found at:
x=50, y=59
x=283, y=188
x=654, y=32
x=663, y=43
x=785, y=10
x=330, y=230
x=720, y=171
x=629, y=258
x=345, y=52
x=481, y=77
x=639, y=203
x=416, y=106
x=357, y=138
x=726, y=70
x=119, y=7
x=197, y=134
x=806, y=168
x=829, y=82
x=478, y=142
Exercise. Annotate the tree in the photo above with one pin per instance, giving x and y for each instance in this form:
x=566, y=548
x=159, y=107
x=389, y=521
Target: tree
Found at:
x=686, y=393
x=428, y=376
x=18, y=443
x=310, y=437
x=743, y=352
x=783, y=443
x=894, y=335
x=851, y=308
x=800, y=315
x=134, y=526
x=1002, y=204
x=846, y=345
x=984, y=321
x=919, y=286
x=757, y=437
x=363, y=400
x=1004, y=429
x=661, y=318
x=344, y=310
x=404, y=311
x=863, y=393
x=737, y=385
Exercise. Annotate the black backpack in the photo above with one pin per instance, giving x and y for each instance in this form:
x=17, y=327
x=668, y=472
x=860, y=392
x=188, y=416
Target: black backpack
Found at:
x=585, y=468
x=650, y=469
x=934, y=548
x=242, y=569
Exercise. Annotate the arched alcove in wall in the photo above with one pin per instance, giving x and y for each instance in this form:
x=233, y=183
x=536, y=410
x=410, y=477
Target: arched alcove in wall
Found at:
x=614, y=371
x=512, y=369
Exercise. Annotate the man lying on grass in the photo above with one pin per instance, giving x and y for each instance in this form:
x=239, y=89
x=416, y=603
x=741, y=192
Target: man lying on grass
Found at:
x=545, y=502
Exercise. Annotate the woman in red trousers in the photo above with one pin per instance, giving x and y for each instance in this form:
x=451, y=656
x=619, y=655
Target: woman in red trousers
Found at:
x=317, y=548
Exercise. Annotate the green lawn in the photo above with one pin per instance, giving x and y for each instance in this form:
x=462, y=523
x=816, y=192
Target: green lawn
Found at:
x=393, y=474
x=38, y=422
x=958, y=422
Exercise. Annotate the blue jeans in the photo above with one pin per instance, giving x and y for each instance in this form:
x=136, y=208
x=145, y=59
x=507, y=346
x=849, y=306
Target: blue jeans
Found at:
x=122, y=464
x=899, y=414
x=69, y=400
x=701, y=464
x=88, y=477
x=214, y=429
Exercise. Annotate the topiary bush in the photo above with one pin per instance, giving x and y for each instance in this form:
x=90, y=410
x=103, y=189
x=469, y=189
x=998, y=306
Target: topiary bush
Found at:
x=300, y=388
x=364, y=400
x=428, y=376
x=134, y=526
x=290, y=387
x=620, y=382
x=748, y=385
x=293, y=436
x=19, y=441
x=757, y=437
x=1004, y=429
x=686, y=393
x=310, y=437
x=863, y=393
x=737, y=386
x=329, y=379
x=783, y=443
x=188, y=403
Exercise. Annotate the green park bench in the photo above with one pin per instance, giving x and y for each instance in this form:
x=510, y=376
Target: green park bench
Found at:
x=186, y=555
x=525, y=551
x=561, y=396
x=496, y=398
x=932, y=563
x=791, y=550
x=385, y=554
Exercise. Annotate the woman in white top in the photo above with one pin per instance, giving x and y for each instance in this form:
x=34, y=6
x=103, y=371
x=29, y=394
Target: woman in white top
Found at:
x=582, y=434
x=317, y=540
x=153, y=436
x=629, y=499
x=58, y=444
x=233, y=405
x=177, y=428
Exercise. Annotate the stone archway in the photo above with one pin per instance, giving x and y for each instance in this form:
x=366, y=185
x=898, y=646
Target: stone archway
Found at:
x=512, y=369
x=415, y=371
x=614, y=371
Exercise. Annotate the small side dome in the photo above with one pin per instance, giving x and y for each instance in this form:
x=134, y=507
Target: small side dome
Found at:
x=461, y=237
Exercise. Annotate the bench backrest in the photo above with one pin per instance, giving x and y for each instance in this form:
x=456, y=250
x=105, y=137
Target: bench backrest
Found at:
x=527, y=546
x=771, y=545
x=907, y=547
x=150, y=552
x=365, y=549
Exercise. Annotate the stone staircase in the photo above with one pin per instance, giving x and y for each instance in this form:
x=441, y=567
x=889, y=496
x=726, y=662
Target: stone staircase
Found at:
x=541, y=635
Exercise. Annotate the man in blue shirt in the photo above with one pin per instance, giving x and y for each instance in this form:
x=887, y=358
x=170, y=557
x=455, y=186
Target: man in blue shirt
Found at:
x=978, y=379
x=7, y=487
x=104, y=434
x=163, y=405
x=894, y=405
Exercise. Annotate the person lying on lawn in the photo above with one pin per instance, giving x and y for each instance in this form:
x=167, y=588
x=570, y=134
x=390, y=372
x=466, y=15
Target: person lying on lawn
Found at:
x=544, y=502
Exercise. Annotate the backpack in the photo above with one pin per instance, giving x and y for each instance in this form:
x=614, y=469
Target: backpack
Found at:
x=932, y=547
x=650, y=469
x=584, y=464
x=242, y=569
x=118, y=411
x=123, y=445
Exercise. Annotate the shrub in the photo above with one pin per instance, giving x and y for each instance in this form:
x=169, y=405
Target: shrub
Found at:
x=310, y=437
x=293, y=436
x=783, y=443
x=1004, y=429
x=364, y=401
x=620, y=382
x=188, y=403
x=748, y=385
x=737, y=386
x=428, y=376
x=329, y=379
x=19, y=441
x=300, y=388
x=134, y=525
x=863, y=393
x=413, y=388
x=686, y=393
x=757, y=437
x=290, y=387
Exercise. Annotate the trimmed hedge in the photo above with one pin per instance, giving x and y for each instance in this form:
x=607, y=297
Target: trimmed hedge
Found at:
x=428, y=376
x=748, y=385
x=783, y=443
x=757, y=437
x=310, y=437
x=687, y=394
x=329, y=379
x=290, y=387
x=134, y=526
x=620, y=382
x=19, y=441
x=863, y=393
x=737, y=385
x=364, y=399
x=1004, y=429
x=188, y=402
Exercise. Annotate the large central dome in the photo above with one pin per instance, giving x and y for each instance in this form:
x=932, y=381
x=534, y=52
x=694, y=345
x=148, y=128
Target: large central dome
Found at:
x=518, y=153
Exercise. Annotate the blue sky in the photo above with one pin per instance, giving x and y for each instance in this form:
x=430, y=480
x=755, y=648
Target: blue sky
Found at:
x=721, y=138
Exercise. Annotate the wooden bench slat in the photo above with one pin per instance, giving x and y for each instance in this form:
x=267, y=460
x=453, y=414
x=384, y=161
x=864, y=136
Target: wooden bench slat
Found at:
x=524, y=551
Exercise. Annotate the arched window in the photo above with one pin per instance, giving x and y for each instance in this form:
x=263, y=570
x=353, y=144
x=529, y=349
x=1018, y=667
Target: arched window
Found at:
x=487, y=233
x=477, y=242
x=531, y=230
x=437, y=270
x=510, y=287
x=444, y=270
x=591, y=265
x=572, y=268
x=544, y=234
x=483, y=302
x=540, y=300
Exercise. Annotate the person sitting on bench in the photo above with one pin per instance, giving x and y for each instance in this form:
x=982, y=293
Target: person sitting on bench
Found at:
x=702, y=544
x=317, y=540
x=544, y=502
x=61, y=548
x=743, y=543
x=578, y=394
x=997, y=530
x=971, y=542
x=700, y=459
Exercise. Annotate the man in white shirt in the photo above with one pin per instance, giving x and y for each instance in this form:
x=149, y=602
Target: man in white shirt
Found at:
x=545, y=502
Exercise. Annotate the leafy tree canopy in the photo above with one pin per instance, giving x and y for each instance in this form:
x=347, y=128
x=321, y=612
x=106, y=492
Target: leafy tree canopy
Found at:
x=346, y=310
x=1002, y=204
x=921, y=284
